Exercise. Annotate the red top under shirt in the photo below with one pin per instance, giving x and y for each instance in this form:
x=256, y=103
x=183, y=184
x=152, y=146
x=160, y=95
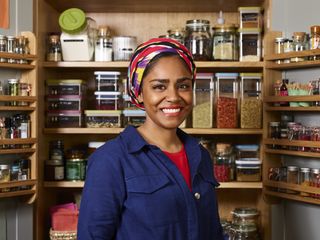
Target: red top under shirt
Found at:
x=181, y=161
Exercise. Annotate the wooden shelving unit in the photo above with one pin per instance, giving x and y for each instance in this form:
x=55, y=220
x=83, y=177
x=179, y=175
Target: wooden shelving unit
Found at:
x=273, y=71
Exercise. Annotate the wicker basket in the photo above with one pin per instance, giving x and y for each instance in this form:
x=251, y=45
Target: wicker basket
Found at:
x=63, y=235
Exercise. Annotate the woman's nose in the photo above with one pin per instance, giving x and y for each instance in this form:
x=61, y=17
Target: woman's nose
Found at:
x=173, y=94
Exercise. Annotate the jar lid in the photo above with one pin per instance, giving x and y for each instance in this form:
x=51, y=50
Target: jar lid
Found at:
x=198, y=22
x=250, y=30
x=95, y=144
x=224, y=28
x=315, y=29
x=315, y=170
x=279, y=39
x=249, y=9
x=245, y=212
x=305, y=170
x=72, y=20
x=227, y=75
x=54, y=162
x=13, y=80
x=75, y=160
x=2, y=37
x=251, y=75
x=292, y=168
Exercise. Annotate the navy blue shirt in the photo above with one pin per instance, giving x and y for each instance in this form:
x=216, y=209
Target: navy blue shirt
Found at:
x=133, y=191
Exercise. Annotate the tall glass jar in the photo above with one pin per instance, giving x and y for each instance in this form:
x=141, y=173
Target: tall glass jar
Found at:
x=298, y=44
x=314, y=40
x=11, y=44
x=54, y=52
x=225, y=43
x=21, y=48
x=304, y=179
x=103, y=46
x=224, y=162
x=198, y=39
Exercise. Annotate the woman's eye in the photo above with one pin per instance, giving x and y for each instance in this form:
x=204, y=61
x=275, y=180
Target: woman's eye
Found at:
x=159, y=87
x=184, y=86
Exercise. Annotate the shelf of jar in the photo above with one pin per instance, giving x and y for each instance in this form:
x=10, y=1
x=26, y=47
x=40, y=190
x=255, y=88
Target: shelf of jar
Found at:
x=28, y=57
x=80, y=184
x=17, y=151
x=231, y=66
x=306, y=53
x=305, y=98
x=7, y=98
x=271, y=188
x=293, y=153
x=27, y=183
x=18, y=141
x=295, y=143
x=203, y=131
x=140, y=6
x=293, y=109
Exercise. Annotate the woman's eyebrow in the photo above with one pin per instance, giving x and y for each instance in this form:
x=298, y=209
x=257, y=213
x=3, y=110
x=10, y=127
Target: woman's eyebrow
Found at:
x=165, y=80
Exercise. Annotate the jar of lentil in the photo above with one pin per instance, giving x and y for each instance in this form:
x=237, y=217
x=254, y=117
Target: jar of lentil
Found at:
x=224, y=169
x=198, y=39
x=4, y=176
x=225, y=43
x=292, y=177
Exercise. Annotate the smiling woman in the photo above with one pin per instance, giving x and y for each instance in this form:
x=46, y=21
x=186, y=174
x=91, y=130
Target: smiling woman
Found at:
x=155, y=181
x=4, y=13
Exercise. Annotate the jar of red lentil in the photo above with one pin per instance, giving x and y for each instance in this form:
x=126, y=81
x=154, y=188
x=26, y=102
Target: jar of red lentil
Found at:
x=224, y=163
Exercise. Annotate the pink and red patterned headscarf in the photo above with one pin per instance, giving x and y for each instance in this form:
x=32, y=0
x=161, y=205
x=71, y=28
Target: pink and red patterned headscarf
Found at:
x=144, y=54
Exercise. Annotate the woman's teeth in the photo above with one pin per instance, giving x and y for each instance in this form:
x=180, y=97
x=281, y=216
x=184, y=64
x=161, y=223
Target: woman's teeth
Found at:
x=171, y=110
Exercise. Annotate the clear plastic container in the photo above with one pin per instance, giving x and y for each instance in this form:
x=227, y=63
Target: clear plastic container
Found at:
x=103, y=118
x=248, y=171
x=134, y=117
x=64, y=119
x=74, y=103
x=198, y=39
x=78, y=35
x=251, y=102
x=202, y=114
x=66, y=87
x=247, y=152
x=108, y=100
x=107, y=81
x=250, y=17
x=250, y=45
x=227, y=100
x=225, y=43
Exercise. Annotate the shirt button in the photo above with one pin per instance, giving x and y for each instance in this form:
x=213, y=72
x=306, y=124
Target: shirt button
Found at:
x=197, y=195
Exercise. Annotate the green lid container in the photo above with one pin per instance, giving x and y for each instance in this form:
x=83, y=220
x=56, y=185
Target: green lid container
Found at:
x=72, y=21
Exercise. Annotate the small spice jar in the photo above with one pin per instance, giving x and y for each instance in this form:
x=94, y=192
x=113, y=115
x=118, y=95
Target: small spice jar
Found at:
x=304, y=179
x=3, y=47
x=4, y=176
x=315, y=180
x=279, y=47
x=54, y=52
x=292, y=177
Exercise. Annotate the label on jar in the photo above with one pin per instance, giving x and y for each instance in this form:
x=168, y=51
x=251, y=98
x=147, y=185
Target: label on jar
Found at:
x=58, y=173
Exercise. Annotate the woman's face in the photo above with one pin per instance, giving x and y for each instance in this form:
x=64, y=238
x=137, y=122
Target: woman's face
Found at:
x=167, y=93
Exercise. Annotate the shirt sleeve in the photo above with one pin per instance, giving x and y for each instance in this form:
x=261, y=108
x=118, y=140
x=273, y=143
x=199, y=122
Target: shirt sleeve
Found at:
x=102, y=196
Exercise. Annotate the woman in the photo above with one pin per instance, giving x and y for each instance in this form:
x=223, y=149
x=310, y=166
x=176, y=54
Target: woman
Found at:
x=153, y=182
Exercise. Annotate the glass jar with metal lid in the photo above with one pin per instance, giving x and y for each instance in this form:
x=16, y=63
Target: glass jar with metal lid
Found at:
x=177, y=34
x=198, y=39
x=292, y=177
x=245, y=216
x=75, y=165
x=225, y=43
x=3, y=46
x=244, y=232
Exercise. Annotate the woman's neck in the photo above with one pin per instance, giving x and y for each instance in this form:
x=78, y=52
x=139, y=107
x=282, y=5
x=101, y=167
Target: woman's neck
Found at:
x=166, y=139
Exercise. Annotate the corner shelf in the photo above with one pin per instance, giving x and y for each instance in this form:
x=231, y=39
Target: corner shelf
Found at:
x=30, y=183
x=297, y=143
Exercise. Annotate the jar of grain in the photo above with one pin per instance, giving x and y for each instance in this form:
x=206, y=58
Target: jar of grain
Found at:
x=251, y=103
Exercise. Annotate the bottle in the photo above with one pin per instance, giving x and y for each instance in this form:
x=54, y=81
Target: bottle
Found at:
x=54, y=53
x=103, y=46
x=284, y=91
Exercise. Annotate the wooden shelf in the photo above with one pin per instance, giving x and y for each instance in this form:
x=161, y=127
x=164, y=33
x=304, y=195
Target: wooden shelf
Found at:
x=17, y=66
x=6, y=98
x=293, y=109
x=18, y=141
x=309, y=98
x=30, y=183
x=217, y=66
x=17, y=151
x=271, y=186
x=224, y=131
x=307, y=53
x=246, y=185
x=293, y=153
x=16, y=108
x=18, y=56
x=297, y=143
x=98, y=6
x=80, y=184
x=17, y=193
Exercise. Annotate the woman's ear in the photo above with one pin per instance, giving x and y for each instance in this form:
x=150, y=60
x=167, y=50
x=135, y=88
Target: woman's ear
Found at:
x=140, y=98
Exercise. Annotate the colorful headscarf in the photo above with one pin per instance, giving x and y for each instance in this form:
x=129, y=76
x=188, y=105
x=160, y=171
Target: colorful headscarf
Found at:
x=144, y=54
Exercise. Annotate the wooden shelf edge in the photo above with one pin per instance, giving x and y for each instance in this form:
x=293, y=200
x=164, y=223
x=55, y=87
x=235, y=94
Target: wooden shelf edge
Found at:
x=292, y=197
x=17, y=151
x=293, y=153
x=17, y=66
x=63, y=184
x=293, y=109
x=187, y=130
x=306, y=98
x=18, y=141
x=245, y=185
x=290, y=186
x=306, y=53
x=16, y=108
x=17, y=193
x=6, y=98
x=297, y=143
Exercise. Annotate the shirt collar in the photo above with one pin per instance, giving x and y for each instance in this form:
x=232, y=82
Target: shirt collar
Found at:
x=135, y=142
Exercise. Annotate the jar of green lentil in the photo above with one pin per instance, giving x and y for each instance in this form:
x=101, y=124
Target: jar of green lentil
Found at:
x=75, y=169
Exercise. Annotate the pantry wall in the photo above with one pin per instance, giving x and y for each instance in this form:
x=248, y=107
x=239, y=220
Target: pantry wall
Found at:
x=16, y=217
x=294, y=220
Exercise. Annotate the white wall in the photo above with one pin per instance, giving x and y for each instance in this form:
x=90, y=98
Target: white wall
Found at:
x=16, y=218
x=297, y=221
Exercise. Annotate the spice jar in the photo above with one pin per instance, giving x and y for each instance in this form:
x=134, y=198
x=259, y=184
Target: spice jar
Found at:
x=4, y=176
x=279, y=47
x=292, y=177
x=315, y=180
x=224, y=163
x=288, y=47
x=298, y=44
x=227, y=100
x=21, y=48
x=251, y=103
x=198, y=39
x=225, y=43
x=314, y=39
x=54, y=52
x=103, y=46
x=202, y=113
x=3, y=47
x=11, y=44
x=54, y=170
x=304, y=179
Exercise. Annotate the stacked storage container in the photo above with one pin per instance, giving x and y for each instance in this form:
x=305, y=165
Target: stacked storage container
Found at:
x=108, y=101
x=65, y=102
